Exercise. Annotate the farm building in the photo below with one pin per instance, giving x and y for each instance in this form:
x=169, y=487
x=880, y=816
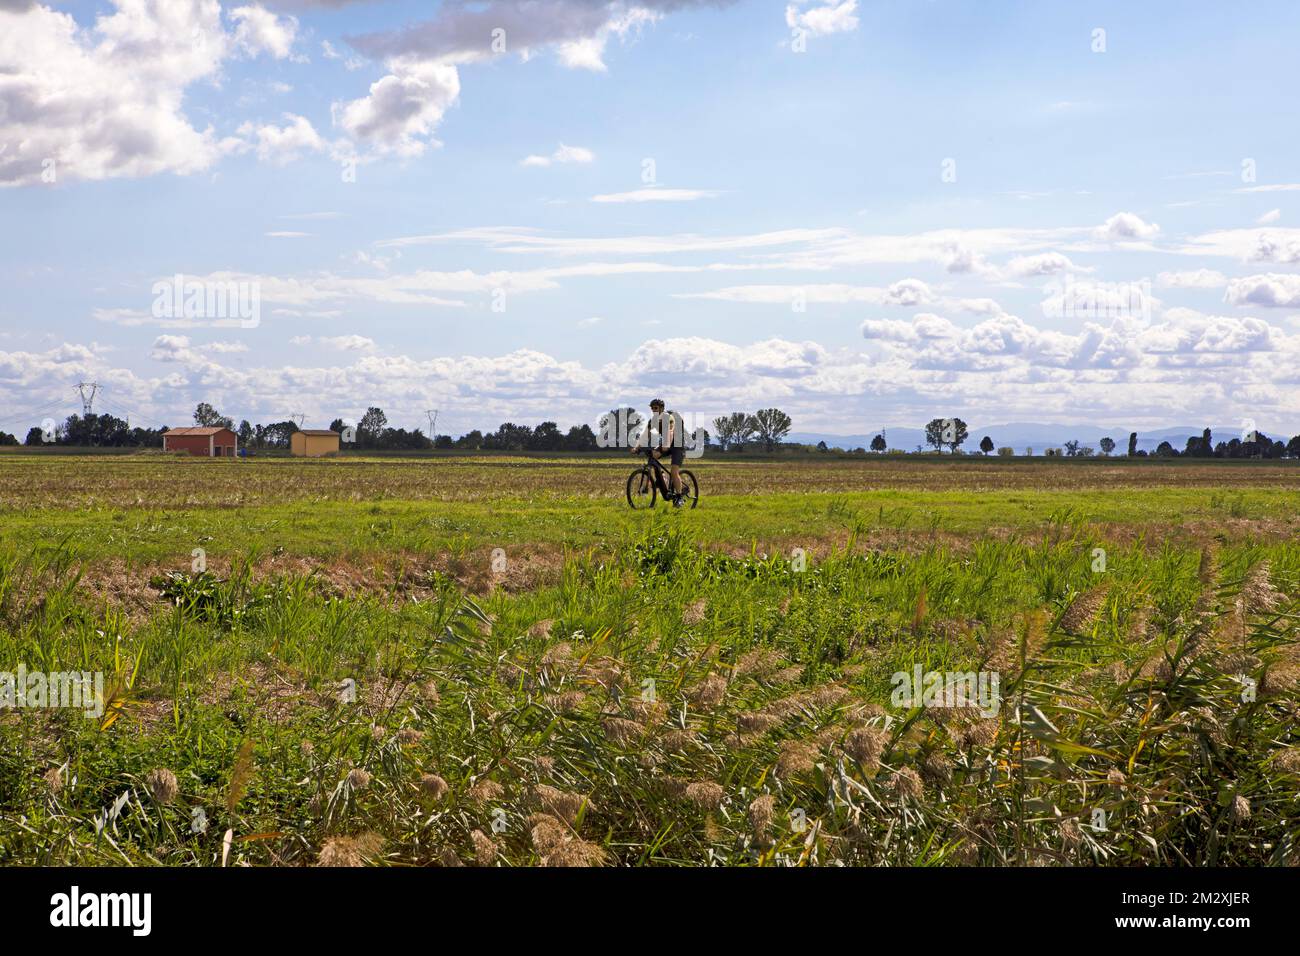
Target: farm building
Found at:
x=313, y=443
x=204, y=442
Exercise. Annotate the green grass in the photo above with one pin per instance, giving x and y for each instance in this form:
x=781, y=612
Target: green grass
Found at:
x=356, y=529
x=675, y=691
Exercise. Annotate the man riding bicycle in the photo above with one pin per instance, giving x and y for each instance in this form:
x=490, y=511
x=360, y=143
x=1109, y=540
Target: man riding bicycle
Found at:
x=665, y=437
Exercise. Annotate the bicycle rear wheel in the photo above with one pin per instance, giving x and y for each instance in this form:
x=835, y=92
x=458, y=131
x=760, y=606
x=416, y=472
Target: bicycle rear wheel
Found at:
x=690, y=489
x=641, y=490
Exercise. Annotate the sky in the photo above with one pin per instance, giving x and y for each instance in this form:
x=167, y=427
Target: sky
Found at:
x=864, y=213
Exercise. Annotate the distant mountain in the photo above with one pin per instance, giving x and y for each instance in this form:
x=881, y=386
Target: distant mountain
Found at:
x=1035, y=435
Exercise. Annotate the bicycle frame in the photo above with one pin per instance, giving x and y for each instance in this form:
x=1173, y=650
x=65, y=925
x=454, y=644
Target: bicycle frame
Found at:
x=660, y=475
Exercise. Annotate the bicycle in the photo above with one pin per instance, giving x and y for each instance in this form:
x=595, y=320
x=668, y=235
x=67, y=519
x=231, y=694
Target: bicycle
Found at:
x=649, y=481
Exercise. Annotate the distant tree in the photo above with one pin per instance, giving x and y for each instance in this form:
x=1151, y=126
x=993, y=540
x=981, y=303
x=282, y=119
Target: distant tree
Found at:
x=94, y=430
x=8, y=439
x=399, y=439
x=878, y=444
x=277, y=434
x=1132, y=444
x=337, y=426
x=1166, y=450
x=1107, y=445
x=208, y=417
x=934, y=433
x=772, y=426
x=722, y=428
x=546, y=437
x=1006, y=452
x=1202, y=447
x=580, y=438
x=1029, y=453
x=371, y=427
x=1258, y=445
x=1072, y=447
x=740, y=428
x=509, y=437
x=245, y=433
x=35, y=436
x=471, y=440
x=946, y=431
x=821, y=446
x=442, y=441
x=954, y=433
x=1086, y=451
x=1293, y=446
x=986, y=444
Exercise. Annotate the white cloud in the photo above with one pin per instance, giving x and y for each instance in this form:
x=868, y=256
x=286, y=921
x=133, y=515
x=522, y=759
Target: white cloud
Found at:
x=284, y=144
x=1277, y=290
x=824, y=18
x=656, y=194
x=348, y=343
x=576, y=30
x=258, y=31
x=522, y=240
x=1273, y=215
x=1126, y=227
x=565, y=154
x=226, y=348
x=923, y=326
x=1278, y=244
x=999, y=368
x=1045, y=263
x=981, y=306
x=171, y=348
x=403, y=108
x=1195, y=279
x=106, y=101
x=905, y=292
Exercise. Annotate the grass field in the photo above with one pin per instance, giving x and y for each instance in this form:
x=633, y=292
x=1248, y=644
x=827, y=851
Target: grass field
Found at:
x=494, y=661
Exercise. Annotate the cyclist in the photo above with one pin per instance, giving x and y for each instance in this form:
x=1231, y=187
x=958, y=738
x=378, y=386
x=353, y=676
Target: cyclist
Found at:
x=665, y=436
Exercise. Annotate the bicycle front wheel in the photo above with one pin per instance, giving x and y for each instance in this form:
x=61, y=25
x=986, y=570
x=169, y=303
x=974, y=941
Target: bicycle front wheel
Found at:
x=690, y=489
x=641, y=489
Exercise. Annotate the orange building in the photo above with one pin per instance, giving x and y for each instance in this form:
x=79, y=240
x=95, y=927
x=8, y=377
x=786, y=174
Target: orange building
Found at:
x=203, y=442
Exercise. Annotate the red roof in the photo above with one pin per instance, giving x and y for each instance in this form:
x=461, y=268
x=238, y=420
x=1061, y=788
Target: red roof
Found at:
x=196, y=431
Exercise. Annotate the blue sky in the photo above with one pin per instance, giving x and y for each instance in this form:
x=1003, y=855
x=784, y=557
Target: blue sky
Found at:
x=864, y=213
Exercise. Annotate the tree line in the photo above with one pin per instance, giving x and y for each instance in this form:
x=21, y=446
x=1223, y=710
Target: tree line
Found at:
x=767, y=428
x=105, y=431
x=951, y=433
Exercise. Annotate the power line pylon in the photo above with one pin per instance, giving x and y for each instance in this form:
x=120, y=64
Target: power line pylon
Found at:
x=87, y=401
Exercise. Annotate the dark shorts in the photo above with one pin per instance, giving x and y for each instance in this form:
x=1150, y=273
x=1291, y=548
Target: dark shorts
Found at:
x=673, y=455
